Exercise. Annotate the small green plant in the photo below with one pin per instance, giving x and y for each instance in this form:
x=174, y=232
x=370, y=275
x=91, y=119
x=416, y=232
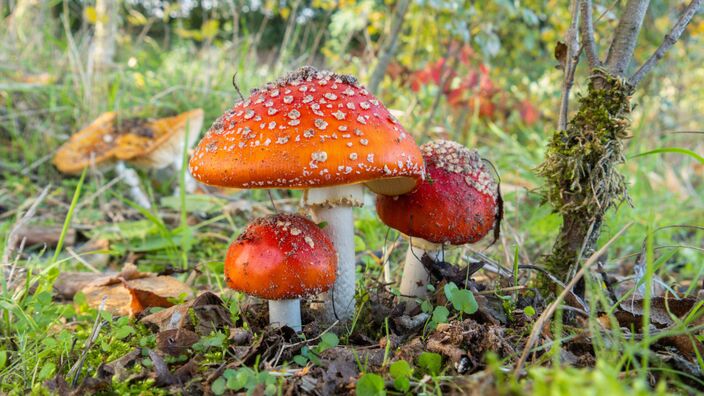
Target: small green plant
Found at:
x=327, y=341
x=401, y=372
x=370, y=385
x=462, y=299
x=430, y=362
x=529, y=311
x=215, y=340
x=245, y=379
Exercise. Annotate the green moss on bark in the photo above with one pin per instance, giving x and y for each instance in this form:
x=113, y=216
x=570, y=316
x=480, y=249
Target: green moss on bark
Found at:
x=582, y=181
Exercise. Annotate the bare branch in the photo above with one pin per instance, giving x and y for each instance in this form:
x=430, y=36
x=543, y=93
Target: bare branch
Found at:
x=626, y=36
x=387, y=53
x=13, y=235
x=670, y=40
x=586, y=28
x=571, y=60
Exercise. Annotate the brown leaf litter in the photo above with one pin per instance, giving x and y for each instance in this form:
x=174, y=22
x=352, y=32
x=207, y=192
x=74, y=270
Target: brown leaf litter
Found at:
x=128, y=292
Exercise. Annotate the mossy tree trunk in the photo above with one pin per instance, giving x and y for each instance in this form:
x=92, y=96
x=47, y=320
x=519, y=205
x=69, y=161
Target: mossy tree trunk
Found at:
x=580, y=168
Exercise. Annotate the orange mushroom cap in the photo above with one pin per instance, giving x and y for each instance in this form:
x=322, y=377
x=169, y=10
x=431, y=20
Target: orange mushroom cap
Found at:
x=456, y=204
x=309, y=129
x=282, y=256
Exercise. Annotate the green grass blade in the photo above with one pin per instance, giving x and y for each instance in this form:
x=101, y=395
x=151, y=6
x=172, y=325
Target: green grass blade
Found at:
x=69, y=215
x=675, y=150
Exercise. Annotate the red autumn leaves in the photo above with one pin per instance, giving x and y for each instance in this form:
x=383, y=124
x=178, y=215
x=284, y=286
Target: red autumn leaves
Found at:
x=467, y=86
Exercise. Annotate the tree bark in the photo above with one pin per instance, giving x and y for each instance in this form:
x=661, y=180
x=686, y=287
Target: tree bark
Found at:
x=570, y=65
x=586, y=28
x=626, y=37
x=103, y=48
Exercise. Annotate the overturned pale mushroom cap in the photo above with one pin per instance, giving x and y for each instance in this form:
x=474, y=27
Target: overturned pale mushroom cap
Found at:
x=145, y=143
x=309, y=129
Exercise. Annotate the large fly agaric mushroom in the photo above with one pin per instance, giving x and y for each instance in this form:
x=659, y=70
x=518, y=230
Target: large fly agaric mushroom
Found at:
x=281, y=258
x=320, y=132
x=455, y=205
x=147, y=144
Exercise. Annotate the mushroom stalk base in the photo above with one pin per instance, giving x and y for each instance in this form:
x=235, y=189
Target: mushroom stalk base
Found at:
x=285, y=313
x=130, y=177
x=415, y=278
x=333, y=206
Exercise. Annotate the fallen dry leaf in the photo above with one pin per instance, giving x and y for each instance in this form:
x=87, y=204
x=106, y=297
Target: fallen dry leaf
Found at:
x=69, y=283
x=176, y=341
x=662, y=310
x=161, y=370
x=664, y=313
x=118, y=369
x=130, y=297
x=40, y=234
x=208, y=314
x=466, y=342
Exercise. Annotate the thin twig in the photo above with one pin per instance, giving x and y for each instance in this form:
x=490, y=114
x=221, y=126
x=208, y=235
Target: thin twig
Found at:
x=97, y=325
x=387, y=53
x=586, y=28
x=670, y=40
x=237, y=88
x=90, y=199
x=624, y=42
x=550, y=310
x=82, y=260
x=489, y=264
x=304, y=342
x=501, y=290
x=12, y=235
x=555, y=280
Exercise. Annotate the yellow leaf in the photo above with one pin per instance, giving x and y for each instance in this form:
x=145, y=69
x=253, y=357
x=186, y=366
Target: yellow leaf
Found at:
x=270, y=5
x=285, y=12
x=185, y=33
x=136, y=18
x=90, y=14
x=139, y=80
x=696, y=29
x=209, y=29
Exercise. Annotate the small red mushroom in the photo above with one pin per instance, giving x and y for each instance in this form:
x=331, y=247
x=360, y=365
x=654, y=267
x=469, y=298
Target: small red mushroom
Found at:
x=281, y=258
x=456, y=204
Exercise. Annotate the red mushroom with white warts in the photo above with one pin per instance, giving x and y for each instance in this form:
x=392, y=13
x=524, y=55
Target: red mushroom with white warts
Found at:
x=323, y=133
x=455, y=205
x=281, y=258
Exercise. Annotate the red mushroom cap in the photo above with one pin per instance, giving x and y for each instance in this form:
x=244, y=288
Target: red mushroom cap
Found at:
x=456, y=204
x=279, y=257
x=309, y=129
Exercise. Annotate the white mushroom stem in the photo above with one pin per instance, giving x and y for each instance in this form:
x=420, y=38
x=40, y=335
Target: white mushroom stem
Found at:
x=132, y=179
x=415, y=278
x=285, y=313
x=189, y=182
x=333, y=205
